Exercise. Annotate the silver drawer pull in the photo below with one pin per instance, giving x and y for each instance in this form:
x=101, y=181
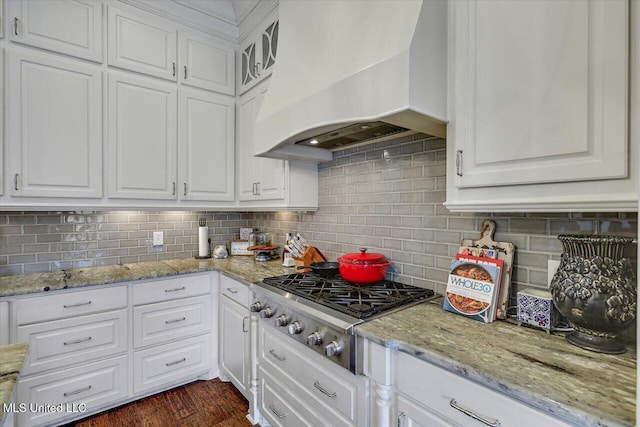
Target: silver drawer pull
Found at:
x=182, y=319
x=182, y=288
x=274, y=354
x=275, y=411
x=80, y=304
x=324, y=391
x=176, y=362
x=488, y=421
x=78, y=391
x=77, y=341
x=233, y=291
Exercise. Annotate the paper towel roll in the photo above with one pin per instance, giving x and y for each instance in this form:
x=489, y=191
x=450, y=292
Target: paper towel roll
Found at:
x=203, y=241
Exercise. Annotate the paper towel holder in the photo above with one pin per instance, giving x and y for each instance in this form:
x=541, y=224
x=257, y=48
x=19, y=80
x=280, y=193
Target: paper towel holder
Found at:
x=208, y=255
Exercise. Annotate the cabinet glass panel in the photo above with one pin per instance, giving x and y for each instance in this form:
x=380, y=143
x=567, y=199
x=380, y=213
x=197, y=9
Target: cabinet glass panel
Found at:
x=270, y=45
x=249, y=73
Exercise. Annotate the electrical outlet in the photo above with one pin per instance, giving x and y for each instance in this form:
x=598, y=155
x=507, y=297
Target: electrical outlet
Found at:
x=552, y=267
x=158, y=238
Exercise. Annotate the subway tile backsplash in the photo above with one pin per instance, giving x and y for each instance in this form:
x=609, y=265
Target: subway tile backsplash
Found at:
x=46, y=241
x=387, y=197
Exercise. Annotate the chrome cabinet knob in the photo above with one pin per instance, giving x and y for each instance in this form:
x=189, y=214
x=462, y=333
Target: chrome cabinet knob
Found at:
x=282, y=320
x=256, y=307
x=334, y=348
x=314, y=339
x=295, y=328
x=266, y=312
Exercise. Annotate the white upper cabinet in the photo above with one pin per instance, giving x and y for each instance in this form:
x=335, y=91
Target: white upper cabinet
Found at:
x=2, y=15
x=72, y=27
x=257, y=54
x=1, y=119
x=207, y=143
x=207, y=63
x=54, y=126
x=146, y=45
x=258, y=178
x=538, y=103
x=142, y=138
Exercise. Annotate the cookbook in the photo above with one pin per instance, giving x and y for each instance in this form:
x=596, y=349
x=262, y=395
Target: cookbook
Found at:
x=473, y=287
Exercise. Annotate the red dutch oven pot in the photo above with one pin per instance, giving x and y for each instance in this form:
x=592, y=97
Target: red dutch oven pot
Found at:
x=363, y=267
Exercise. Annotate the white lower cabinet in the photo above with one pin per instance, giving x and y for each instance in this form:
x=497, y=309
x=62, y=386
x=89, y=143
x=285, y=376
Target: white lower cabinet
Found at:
x=89, y=387
x=173, y=337
x=80, y=355
x=409, y=392
x=234, y=343
x=316, y=383
x=171, y=363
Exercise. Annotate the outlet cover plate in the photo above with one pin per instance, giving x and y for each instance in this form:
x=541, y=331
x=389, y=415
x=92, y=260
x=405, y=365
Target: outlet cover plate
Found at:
x=158, y=238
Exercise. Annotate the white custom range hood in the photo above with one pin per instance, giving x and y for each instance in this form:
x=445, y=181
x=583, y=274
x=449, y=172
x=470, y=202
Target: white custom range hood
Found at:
x=354, y=71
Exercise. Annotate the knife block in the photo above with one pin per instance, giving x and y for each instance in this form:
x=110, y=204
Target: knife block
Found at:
x=310, y=255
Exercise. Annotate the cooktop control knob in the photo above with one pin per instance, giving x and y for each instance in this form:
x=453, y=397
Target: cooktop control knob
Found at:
x=314, y=339
x=282, y=320
x=256, y=306
x=334, y=348
x=266, y=312
x=295, y=328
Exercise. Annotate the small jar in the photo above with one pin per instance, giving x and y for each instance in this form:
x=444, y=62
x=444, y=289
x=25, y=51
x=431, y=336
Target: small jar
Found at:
x=260, y=238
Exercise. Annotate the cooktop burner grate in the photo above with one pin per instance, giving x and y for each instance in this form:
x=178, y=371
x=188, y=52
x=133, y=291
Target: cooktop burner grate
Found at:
x=359, y=301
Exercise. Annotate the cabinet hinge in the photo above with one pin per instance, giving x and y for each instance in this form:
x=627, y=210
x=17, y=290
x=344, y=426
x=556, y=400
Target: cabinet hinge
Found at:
x=459, y=162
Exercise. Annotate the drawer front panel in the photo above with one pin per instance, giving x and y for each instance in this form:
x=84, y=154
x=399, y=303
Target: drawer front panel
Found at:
x=435, y=388
x=96, y=384
x=237, y=291
x=163, y=322
x=336, y=390
x=169, y=289
x=278, y=405
x=69, y=304
x=69, y=341
x=170, y=363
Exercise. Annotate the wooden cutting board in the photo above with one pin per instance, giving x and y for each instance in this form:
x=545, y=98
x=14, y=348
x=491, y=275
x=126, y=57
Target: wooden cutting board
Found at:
x=505, y=251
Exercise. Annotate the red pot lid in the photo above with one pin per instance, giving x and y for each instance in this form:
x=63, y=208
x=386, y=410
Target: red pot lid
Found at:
x=363, y=258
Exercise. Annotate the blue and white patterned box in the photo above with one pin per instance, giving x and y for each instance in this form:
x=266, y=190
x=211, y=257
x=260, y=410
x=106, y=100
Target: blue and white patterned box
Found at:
x=535, y=308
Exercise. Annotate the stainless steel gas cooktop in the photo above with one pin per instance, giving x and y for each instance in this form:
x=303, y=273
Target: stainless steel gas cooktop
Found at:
x=359, y=301
x=321, y=313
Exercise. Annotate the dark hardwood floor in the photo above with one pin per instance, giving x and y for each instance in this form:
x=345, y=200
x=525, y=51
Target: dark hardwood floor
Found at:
x=201, y=403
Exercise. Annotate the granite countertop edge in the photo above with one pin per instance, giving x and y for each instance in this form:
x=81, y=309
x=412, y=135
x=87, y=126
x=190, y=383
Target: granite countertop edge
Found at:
x=12, y=357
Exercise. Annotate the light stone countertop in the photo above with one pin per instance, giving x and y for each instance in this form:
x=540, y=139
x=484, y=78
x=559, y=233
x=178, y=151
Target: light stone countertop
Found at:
x=545, y=371
x=542, y=370
x=11, y=358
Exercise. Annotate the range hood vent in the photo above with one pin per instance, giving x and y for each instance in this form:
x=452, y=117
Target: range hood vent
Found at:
x=359, y=133
x=352, y=72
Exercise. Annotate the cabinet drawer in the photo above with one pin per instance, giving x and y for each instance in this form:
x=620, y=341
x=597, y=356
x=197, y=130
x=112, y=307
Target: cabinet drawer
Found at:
x=171, y=363
x=95, y=384
x=169, y=289
x=166, y=321
x=237, y=291
x=331, y=387
x=68, y=304
x=435, y=388
x=65, y=342
x=278, y=405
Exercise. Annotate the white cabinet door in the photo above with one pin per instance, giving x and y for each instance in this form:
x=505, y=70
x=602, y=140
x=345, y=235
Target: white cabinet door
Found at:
x=207, y=141
x=258, y=178
x=142, y=138
x=234, y=338
x=72, y=27
x=143, y=44
x=207, y=63
x=540, y=106
x=54, y=126
x=2, y=103
x=2, y=18
x=4, y=323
